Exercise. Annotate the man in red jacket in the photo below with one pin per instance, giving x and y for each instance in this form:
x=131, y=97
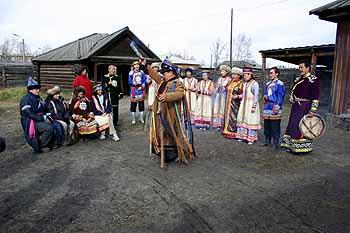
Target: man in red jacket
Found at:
x=83, y=80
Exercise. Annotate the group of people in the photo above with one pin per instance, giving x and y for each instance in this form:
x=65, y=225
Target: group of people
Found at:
x=174, y=105
x=56, y=122
x=231, y=105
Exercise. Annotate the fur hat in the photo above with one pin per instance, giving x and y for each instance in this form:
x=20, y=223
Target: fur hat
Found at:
x=97, y=87
x=226, y=68
x=32, y=84
x=189, y=69
x=168, y=66
x=53, y=91
x=205, y=73
x=155, y=64
x=248, y=70
x=236, y=70
x=135, y=63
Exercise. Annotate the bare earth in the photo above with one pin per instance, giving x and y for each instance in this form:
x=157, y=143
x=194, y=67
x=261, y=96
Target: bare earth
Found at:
x=96, y=186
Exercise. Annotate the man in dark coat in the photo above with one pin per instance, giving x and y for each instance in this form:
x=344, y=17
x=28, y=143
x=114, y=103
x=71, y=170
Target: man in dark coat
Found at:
x=111, y=84
x=38, y=133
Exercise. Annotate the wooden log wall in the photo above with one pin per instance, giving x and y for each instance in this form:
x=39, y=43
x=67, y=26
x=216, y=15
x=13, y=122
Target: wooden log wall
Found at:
x=13, y=75
x=61, y=75
x=341, y=73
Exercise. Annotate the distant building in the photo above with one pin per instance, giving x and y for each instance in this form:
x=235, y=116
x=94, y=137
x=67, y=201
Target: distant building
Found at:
x=241, y=64
x=183, y=63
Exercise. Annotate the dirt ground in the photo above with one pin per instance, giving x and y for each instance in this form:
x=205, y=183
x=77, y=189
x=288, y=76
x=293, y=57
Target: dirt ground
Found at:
x=105, y=186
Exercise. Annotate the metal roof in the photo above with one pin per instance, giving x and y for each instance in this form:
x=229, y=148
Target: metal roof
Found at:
x=333, y=10
x=325, y=54
x=324, y=47
x=85, y=47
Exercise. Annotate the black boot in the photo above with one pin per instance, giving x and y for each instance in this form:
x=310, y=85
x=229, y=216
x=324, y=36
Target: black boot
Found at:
x=276, y=143
x=267, y=141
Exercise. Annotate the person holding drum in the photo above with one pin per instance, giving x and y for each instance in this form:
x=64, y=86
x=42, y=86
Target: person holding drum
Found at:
x=305, y=95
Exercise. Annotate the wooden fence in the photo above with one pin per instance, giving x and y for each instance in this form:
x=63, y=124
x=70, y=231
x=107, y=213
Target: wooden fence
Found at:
x=12, y=75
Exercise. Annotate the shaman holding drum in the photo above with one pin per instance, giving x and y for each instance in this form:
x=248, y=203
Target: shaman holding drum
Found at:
x=304, y=97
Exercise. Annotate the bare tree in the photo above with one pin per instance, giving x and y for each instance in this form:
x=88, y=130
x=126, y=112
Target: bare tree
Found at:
x=8, y=47
x=217, y=50
x=241, y=48
x=19, y=49
x=43, y=49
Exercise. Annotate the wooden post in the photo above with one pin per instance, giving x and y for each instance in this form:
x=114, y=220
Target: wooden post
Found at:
x=231, y=37
x=160, y=110
x=38, y=72
x=150, y=133
x=313, y=62
x=122, y=83
x=95, y=73
x=263, y=80
x=341, y=69
x=4, y=76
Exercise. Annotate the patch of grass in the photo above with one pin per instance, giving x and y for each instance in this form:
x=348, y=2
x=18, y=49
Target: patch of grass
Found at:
x=14, y=94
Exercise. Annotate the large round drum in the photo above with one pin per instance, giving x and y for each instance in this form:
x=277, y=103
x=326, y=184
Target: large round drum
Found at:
x=312, y=126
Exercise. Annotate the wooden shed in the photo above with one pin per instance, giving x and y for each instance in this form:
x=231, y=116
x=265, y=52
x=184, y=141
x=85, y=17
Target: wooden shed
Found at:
x=339, y=12
x=15, y=74
x=96, y=51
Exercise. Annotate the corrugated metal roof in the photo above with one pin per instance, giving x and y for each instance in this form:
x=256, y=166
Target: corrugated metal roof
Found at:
x=324, y=53
x=333, y=6
x=84, y=47
x=334, y=11
x=72, y=51
x=305, y=48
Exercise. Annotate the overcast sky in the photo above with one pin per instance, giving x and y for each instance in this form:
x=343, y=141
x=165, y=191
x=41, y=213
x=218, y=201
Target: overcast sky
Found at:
x=177, y=26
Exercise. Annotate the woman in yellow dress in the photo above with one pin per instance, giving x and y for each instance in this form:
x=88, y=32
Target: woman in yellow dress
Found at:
x=232, y=105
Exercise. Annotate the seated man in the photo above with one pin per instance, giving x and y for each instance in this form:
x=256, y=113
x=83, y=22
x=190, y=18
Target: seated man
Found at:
x=102, y=109
x=38, y=133
x=59, y=110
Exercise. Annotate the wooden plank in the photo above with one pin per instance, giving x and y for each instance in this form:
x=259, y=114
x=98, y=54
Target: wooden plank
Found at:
x=3, y=75
x=264, y=70
x=313, y=62
x=58, y=75
x=56, y=66
x=57, y=80
x=56, y=70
